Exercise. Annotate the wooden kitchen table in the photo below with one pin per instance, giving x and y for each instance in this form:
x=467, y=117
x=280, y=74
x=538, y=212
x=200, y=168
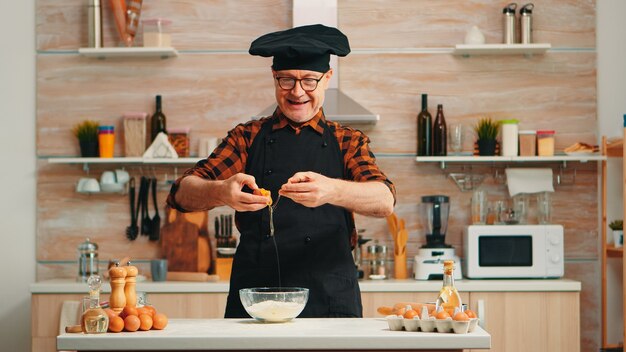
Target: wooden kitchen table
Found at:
x=337, y=334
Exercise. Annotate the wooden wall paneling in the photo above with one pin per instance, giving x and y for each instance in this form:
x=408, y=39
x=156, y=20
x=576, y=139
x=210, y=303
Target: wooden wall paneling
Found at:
x=554, y=91
x=209, y=93
x=196, y=24
x=436, y=24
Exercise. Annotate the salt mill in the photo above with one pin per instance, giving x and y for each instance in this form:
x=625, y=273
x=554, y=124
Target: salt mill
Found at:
x=130, y=285
x=87, y=260
x=117, y=300
x=508, y=13
x=526, y=21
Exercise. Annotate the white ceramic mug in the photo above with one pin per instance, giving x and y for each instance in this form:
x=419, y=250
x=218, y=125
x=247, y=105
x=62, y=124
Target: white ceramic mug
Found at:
x=122, y=176
x=87, y=184
x=108, y=178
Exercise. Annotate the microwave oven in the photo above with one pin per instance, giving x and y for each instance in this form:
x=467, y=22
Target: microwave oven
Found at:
x=513, y=251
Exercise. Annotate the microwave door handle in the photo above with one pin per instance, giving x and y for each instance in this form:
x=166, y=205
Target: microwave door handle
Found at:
x=481, y=313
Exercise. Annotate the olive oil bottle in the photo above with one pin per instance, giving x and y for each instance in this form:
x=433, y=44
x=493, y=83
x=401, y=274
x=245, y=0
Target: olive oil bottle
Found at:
x=449, y=297
x=94, y=319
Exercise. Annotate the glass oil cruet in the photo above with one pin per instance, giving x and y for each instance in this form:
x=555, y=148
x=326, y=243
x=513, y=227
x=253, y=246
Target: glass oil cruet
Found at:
x=449, y=297
x=94, y=319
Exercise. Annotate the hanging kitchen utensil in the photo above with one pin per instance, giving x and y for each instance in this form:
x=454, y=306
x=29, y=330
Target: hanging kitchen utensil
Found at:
x=217, y=231
x=132, y=231
x=155, y=224
x=145, y=218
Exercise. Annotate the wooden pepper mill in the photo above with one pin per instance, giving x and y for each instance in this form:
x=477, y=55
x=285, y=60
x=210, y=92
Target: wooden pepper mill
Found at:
x=117, y=300
x=130, y=288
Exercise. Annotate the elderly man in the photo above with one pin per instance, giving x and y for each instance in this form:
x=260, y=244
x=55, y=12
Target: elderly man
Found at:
x=322, y=172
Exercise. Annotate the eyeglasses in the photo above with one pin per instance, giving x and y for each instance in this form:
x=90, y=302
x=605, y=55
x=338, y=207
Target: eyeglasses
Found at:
x=307, y=84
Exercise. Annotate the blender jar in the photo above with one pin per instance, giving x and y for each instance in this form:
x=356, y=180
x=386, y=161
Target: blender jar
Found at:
x=435, y=210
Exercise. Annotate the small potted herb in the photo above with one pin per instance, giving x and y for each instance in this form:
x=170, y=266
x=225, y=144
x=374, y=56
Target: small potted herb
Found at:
x=87, y=134
x=486, y=131
x=617, y=226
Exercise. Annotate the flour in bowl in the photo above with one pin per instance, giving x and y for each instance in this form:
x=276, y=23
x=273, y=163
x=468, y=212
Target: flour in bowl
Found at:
x=275, y=310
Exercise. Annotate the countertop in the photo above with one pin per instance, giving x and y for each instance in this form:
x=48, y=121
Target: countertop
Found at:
x=543, y=285
x=247, y=334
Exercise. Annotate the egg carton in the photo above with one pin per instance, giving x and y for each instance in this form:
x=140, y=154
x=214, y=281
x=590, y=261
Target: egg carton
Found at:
x=399, y=323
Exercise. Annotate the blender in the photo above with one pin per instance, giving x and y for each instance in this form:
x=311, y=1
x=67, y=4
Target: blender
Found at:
x=429, y=259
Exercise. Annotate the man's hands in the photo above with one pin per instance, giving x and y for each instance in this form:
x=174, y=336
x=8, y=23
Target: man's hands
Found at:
x=309, y=189
x=233, y=196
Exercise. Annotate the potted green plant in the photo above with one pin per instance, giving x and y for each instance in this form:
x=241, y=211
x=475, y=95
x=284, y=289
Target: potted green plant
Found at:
x=617, y=226
x=87, y=134
x=486, y=131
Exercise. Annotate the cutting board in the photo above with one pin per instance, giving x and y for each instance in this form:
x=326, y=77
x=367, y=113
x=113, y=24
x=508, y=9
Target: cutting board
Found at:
x=184, y=241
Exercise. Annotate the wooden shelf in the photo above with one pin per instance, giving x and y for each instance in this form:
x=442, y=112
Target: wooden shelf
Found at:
x=615, y=148
x=123, y=160
x=613, y=252
x=482, y=159
x=501, y=49
x=103, y=53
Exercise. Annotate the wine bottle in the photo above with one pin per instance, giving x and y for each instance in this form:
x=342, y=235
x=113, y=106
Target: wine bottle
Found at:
x=158, y=121
x=449, y=297
x=440, y=134
x=424, y=129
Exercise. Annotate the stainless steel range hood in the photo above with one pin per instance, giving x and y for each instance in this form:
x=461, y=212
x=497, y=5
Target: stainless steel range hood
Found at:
x=337, y=105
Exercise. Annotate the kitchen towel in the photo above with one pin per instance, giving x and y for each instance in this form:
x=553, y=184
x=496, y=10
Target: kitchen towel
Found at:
x=529, y=180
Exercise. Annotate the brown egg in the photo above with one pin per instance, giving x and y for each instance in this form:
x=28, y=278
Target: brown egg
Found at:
x=110, y=313
x=460, y=316
x=470, y=314
x=442, y=315
x=116, y=324
x=409, y=314
x=145, y=322
x=144, y=310
x=132, y=323
x=128, y=310
x=159, y=322
x=151, y=309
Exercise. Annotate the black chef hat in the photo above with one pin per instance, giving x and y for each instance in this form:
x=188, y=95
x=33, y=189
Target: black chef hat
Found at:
x=302, y=48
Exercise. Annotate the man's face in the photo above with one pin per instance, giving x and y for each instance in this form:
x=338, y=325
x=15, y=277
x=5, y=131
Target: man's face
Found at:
x=297, y=104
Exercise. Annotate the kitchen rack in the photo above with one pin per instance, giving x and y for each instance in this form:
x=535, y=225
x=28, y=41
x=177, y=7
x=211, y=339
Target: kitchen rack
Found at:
x=507, y=159
x=123, y=160
x=501, y=49
x=470, y=181
x=612, y=149
x=103, y=53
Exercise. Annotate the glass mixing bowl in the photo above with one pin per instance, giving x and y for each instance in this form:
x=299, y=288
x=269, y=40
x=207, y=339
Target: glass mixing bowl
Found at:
x=274, y=304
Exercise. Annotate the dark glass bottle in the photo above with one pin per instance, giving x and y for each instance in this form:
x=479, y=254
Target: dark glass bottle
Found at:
x=158, y=121
x=440, y=134
x=424, y=129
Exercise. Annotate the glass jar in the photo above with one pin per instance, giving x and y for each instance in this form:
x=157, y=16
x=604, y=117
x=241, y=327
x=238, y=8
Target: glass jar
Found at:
x=179, y=138
x=156, y=32
x=87, y=260
x=545, y=143
x=377, y=264
x=527, y=143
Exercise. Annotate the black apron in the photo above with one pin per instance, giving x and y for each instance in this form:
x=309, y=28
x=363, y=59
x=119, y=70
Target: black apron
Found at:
x=313, y=243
